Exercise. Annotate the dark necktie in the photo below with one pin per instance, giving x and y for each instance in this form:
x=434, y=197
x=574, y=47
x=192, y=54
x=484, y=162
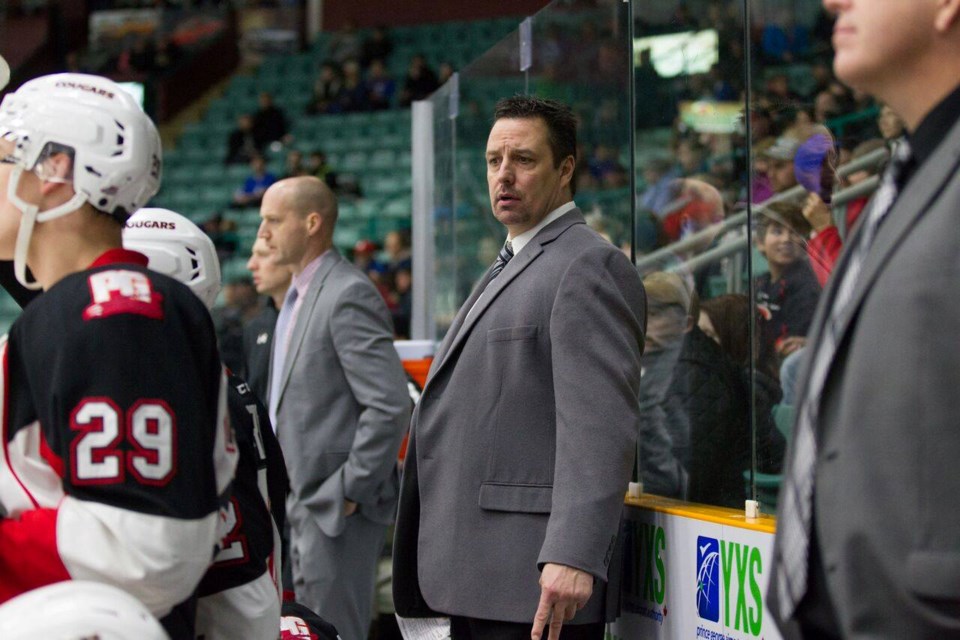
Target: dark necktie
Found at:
x=797, y=492
x=506, y=252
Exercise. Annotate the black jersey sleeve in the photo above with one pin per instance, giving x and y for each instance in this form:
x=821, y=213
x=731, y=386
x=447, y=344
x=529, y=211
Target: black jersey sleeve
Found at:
x=254, y=515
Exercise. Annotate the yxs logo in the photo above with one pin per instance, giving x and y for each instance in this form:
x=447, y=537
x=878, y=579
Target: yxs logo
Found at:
x=728, y=571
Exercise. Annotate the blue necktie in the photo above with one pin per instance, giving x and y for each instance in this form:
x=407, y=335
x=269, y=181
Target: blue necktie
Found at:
x=793, y=527
x=280, y=351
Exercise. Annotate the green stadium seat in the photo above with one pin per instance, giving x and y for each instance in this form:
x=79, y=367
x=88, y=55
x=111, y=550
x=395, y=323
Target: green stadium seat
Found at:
x=384, y=158
x=353, y=161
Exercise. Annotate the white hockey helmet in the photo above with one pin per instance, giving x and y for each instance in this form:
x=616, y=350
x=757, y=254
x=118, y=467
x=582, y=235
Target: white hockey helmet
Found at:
x=114, y=145
x=78, y=610
x=4, y=73
x=176, y=247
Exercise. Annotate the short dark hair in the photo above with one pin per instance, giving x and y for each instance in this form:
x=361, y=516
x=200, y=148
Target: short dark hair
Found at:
x=559, y=118
x=786, y=214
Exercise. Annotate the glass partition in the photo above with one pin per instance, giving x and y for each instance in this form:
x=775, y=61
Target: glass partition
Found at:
x=689, y=71
x=573, y=51
x=816, y=149
x=718, y=150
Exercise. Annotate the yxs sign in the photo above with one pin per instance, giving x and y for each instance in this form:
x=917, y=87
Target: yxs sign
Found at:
x=728, y=581
x=644, y=552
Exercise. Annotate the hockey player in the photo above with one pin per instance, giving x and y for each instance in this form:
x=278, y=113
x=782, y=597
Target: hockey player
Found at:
x=115, y=444
x=239, y=595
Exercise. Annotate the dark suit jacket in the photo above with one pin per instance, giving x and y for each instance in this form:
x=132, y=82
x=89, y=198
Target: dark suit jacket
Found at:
x=886, y=484
x=257, y=347
x=523, y=441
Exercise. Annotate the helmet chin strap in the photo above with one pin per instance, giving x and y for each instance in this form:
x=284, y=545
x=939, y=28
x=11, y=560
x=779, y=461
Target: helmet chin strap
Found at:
x=29, y=216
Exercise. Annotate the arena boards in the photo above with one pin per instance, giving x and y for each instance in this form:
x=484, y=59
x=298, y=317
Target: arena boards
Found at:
x=694, y=572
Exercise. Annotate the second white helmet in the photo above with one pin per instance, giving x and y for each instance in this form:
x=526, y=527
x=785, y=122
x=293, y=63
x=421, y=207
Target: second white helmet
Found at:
x=176, y=247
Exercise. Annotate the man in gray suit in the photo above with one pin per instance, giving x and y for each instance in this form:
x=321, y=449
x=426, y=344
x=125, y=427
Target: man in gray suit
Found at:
x=868, y=539
x=338, y=398
x=523, y=440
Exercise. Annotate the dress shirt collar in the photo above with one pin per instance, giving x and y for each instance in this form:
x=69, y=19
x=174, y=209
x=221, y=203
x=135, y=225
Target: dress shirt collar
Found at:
x=521, y=240
x=934, y=127
x=302, y=280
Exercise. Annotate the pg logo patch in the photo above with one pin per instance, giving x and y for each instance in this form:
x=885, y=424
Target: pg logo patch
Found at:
x=119, y=291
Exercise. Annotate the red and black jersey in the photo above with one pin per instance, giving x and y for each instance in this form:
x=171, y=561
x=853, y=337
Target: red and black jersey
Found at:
x=300, y=623
x=255, y=514
x=115, y=444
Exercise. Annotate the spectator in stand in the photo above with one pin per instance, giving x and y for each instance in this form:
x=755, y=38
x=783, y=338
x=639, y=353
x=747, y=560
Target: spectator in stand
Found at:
x=269, y=122
x=762, y=187
x=779, y=92
x=380, y=86
x=603, y=164
x=377, y=46
x=890, y=125
x=787, y=295
x=663, y=427
x=345, y=43
x=402, y=281
x=242, y=145
x=444, y=72
x=223, y=233
x=712, y=380
x=825, y=241
x=294, y=166
x=318, y=166
x=825, y=107
x=326, y=90
x=780, y=162
x=420, y=82
x=354, y=94
x=397, y=246
x=365, y=255
x=250, y=194
x=658, y=175
x=782, y=40
x=690, y=156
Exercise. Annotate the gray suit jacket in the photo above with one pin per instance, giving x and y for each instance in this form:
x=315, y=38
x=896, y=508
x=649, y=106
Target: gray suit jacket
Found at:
x=887, y=484
x=524, y=437
x=343, y=406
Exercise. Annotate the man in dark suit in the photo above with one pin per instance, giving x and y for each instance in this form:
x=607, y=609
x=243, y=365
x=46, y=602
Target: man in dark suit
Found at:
x=271, y=280
x=523, y=440
x=868, y=530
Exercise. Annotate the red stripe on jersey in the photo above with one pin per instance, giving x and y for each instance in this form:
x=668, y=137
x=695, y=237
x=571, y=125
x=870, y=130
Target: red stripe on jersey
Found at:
x=28, y=553
x=55, y=461
x=120, y=256
x=6, y=425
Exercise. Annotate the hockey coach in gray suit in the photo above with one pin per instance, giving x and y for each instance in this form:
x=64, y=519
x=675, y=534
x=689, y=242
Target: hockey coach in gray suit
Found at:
x=523, y=440
x=338, y=399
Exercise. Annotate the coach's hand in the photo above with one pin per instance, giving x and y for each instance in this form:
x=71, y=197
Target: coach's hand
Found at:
x=563, y=591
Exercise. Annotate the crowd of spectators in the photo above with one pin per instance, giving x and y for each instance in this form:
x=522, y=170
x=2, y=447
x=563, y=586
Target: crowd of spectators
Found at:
x=355, y=75
x=801, y=125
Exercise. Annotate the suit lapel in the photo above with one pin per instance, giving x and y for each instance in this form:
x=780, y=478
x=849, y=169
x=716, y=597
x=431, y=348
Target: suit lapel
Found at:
x=458, y=320
x=466, y=319
x=305, y=315
x=913, y=202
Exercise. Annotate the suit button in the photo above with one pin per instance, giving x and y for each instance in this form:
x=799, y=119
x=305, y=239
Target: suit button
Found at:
x=831, y=455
